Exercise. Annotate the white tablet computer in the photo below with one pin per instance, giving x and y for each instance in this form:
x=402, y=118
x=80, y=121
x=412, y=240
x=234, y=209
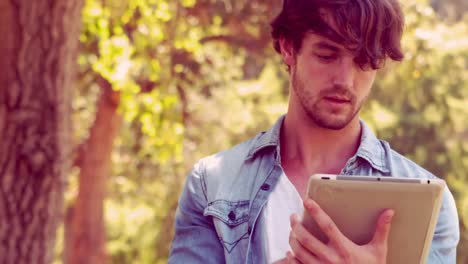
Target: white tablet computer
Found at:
x=355, y=202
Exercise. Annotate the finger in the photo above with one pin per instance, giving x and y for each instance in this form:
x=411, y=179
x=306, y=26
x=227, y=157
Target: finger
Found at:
x=301, y=255
x=301, y=240
x=291, y=259
x=324, y=222
x=383, y=228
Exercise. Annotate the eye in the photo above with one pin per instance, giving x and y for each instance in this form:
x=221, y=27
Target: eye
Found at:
x=326, y=58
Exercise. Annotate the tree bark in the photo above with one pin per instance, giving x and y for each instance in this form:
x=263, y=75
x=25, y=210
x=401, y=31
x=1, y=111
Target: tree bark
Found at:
x=38, y=47
x=85, y=238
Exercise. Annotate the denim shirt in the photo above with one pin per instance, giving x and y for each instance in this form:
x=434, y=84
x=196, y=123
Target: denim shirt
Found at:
x=220, y=220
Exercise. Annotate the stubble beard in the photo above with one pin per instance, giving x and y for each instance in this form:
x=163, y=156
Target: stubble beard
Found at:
x=323, y=117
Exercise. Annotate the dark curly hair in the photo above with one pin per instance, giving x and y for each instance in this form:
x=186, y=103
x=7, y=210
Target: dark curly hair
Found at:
x=371, y=29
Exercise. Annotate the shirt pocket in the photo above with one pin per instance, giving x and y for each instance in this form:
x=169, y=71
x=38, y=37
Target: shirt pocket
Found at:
x=230, y=219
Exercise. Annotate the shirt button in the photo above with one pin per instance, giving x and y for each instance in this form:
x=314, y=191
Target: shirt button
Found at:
x=265, y=187
x=232, y=216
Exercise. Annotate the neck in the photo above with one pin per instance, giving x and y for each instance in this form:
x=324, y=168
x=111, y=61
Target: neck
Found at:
x=307, y=148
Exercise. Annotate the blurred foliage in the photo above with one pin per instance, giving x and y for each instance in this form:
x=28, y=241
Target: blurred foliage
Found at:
x=198, y=76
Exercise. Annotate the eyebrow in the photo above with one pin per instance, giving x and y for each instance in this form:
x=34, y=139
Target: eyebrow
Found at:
x=325, y=45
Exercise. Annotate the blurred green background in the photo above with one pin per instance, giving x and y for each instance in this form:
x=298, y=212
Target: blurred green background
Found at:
x=194, y=77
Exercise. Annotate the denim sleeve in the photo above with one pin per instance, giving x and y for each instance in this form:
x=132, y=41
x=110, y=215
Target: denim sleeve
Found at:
x=447, y=233
x=195, y=239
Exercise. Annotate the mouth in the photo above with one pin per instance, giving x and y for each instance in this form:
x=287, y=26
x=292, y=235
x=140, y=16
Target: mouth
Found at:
x=338, y=99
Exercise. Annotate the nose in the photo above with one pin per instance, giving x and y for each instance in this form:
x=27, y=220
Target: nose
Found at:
x=345, y=73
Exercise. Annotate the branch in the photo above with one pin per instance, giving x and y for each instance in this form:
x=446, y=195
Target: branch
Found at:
x=111, y=97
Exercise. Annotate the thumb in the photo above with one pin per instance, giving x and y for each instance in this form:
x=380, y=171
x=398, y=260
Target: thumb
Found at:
x=383, y=228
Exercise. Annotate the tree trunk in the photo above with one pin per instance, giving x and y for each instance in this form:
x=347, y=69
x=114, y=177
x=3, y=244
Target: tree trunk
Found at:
x=85, y=238
x=38, y=45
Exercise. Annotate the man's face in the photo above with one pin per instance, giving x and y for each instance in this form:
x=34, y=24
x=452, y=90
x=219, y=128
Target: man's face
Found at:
x=326, y=83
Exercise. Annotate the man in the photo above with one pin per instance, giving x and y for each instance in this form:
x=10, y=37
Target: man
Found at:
x=236, y=205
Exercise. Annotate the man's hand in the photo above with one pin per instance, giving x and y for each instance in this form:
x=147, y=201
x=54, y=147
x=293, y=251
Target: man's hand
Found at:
x=339, y=249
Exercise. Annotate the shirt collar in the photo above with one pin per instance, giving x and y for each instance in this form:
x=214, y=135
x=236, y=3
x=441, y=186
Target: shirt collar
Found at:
x=370, y=148
x=267, y=139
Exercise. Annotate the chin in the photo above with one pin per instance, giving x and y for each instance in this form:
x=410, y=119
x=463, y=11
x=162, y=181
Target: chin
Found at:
x=333, y=126
x=330, y=122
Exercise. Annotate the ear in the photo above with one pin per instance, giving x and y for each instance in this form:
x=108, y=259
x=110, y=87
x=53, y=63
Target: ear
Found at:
x=287, y=52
